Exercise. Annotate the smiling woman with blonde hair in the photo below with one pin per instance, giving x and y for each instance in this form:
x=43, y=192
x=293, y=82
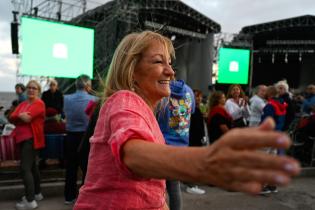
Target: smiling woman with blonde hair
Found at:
x=129, y=161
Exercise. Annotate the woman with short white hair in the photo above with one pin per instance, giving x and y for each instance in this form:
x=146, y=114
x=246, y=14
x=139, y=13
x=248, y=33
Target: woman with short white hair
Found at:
x=285, y=95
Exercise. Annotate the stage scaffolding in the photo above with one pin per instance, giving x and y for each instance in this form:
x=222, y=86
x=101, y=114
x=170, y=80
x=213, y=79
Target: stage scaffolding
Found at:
x=192, y=33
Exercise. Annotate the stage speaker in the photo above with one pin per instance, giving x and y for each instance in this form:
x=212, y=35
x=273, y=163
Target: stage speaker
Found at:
x=14, y=38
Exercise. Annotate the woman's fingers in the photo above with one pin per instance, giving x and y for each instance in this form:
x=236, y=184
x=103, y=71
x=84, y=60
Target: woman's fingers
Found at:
x=230, y=166
x=268, y=124
x=251, y=181
x=253, y=138
x=226, y=168
x=261, y=160
x=271, y=177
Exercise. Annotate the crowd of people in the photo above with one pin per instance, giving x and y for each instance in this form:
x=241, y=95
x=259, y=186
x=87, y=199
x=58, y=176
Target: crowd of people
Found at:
x=149, y=127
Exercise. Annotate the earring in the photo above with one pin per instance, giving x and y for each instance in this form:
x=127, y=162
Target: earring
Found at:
x=133, y=86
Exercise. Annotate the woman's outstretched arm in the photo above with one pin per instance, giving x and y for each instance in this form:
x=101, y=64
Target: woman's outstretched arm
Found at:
x=233, y=162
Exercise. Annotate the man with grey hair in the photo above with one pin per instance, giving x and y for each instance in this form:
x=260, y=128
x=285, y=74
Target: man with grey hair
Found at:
x=76, y=125
x=257, y=104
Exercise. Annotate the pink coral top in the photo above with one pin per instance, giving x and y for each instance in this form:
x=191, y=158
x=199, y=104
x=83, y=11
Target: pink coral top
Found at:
x=109, y=184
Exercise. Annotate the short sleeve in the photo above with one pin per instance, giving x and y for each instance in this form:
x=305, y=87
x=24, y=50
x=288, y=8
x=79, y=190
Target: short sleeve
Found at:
x=125, y=123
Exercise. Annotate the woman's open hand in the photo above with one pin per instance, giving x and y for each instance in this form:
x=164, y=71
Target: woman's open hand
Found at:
x=235, y=161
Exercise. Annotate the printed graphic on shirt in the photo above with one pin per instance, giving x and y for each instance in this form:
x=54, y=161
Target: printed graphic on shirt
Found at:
x=180, y=111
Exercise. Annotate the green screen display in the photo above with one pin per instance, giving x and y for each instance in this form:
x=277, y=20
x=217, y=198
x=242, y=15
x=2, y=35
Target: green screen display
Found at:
x=233, y=66
x=56, y=49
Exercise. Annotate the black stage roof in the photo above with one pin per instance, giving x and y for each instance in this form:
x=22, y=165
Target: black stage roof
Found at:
x=292, y=35
x=304, y=21
x=283, y=49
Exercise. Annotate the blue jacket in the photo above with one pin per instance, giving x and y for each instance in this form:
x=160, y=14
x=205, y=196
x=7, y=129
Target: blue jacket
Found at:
x=308, y=103
x=174, y=120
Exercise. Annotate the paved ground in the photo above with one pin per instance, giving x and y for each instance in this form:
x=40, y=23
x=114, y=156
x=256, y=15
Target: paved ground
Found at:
x=300, y=195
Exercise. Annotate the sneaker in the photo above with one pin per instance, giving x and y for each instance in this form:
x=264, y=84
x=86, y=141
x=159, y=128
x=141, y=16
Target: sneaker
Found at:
x=38, y=197
x=70, y=202
x=24, y=204
x=273, y=189
x=265, y=190
x=195, y=190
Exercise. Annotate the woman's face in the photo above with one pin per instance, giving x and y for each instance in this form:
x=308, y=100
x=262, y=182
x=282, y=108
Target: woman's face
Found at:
x=53, y=87
x=153, y=73
x=222, y=100
x=236, y=91
x=281, y=89
x=32, y=91
x=198, y=98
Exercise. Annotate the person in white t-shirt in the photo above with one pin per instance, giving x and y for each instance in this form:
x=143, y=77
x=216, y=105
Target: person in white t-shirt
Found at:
x=257, y=104
x=237, y=106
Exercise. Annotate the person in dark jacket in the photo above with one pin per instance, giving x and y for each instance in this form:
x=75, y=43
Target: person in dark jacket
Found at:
x=53, y=98
x=196, y=130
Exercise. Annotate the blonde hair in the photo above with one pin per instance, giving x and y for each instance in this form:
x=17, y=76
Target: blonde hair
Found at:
x=53, y=81
x=126, y=57
x=271, y=92
x=284, y=84
x=39, y=87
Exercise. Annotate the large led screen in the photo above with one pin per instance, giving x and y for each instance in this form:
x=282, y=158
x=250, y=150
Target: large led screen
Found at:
x=233, y=66
x=55, y=49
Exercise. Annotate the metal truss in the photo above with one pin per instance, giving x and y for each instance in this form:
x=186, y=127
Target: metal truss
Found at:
x=59, y=10
x=175, y=7
x=161, y=11
x=113, y=20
